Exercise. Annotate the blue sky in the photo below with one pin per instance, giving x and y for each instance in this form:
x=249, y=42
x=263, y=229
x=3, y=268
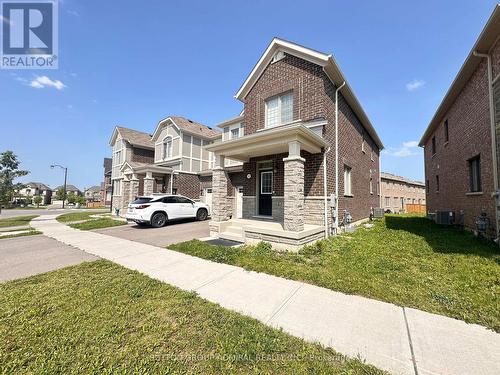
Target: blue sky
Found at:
x=135, y=62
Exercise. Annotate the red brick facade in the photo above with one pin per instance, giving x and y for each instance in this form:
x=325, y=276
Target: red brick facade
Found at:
x=142, y=155
x=469, y=132
x=314, y=98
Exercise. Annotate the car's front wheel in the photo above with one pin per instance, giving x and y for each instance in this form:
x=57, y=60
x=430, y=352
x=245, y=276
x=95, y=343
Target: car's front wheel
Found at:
x=202, y=214
x=158, y=220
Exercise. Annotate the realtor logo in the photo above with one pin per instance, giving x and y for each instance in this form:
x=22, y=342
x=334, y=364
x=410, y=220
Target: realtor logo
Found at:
x=29, y=35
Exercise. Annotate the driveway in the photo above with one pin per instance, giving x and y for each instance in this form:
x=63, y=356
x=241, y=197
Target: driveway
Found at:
x=171, y=233
x=27, y=256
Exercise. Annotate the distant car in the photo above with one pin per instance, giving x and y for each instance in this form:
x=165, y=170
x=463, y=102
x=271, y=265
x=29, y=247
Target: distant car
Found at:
x=158, y=210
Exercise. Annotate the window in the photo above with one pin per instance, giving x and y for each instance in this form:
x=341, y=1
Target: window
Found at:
x=433, y=145
x=371, y=186
x=235, y=133
x=363, y=144
x=446, y=136
x=167, y=148
x=347, y=180
x=279, y=110
x=371, y=156
x=117, y=187
x=387, y=201
x=266, y=183
x=475, y=174
x=437, y=183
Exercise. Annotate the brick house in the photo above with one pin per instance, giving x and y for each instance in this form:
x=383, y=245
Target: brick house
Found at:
x=106, y=188
x=461, y=149
x=171, y=160
x=302, y=140
x=397, y=192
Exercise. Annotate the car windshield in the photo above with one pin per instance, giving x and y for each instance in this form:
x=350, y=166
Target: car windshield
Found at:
x=142, y=200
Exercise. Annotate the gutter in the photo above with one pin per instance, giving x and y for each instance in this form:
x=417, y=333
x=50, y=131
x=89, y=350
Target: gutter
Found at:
x=493, y=133
x=336, y=224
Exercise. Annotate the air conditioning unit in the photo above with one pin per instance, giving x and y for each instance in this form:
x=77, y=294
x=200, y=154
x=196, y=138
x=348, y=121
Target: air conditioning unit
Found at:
x=431, y=216
x=445, y=217
x=378, y=213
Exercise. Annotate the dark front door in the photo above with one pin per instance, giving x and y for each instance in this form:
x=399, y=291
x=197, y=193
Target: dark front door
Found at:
x=266, y=193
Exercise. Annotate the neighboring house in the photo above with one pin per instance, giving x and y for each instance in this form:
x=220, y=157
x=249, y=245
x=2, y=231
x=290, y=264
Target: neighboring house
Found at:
x=33, y=189
x=93, y=194
x=461, y=143
x=69, y=189
x=106, y=188
x=300, y=148
x=396, y=192
x=172, y=160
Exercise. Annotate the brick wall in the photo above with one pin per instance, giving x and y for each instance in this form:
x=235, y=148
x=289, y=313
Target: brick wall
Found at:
x=314, y=97
x=142, y=155
x=469, y=135
x=187, y=185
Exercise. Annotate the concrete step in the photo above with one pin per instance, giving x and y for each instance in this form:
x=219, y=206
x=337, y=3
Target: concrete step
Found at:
x=231, y=236
x=235, y=230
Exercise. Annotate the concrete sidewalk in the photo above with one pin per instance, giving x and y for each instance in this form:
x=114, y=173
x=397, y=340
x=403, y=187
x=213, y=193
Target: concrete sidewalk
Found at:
x=399, y=340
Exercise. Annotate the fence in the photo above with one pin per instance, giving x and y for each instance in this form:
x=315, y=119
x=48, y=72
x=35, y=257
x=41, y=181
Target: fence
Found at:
x=415, y=208
x=95, y=204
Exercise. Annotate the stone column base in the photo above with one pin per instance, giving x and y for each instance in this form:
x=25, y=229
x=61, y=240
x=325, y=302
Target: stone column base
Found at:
x=293, y=219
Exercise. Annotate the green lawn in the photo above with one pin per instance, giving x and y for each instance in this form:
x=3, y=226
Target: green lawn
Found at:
x=91, y=222
x=32, y=232
x=16, y=221
x=102, y=318
x=97, y=224
x=406, y=260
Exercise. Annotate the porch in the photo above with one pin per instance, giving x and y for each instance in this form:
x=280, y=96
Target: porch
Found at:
x=274, y=189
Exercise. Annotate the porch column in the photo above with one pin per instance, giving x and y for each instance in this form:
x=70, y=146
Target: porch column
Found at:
x=134, y=187
x=219, y=191
x=294, y=189
x=125, y=194
x=148, y=183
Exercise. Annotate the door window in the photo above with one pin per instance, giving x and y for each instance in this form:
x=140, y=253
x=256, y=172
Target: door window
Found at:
x=266, y=182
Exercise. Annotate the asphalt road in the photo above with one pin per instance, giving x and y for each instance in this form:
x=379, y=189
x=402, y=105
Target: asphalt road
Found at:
x=50, y=211
x=27, y=256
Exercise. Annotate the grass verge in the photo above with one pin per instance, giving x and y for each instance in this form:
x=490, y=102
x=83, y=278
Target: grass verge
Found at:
x=97, y=224
x=405, y=260
x=16, y=221
x=75, y=216
x=30, y=233
x=102, y=318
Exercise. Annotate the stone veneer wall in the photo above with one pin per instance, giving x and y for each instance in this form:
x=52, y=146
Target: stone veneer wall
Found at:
x=294, y=194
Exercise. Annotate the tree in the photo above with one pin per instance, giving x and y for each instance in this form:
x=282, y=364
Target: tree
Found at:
x=60, y=194
x=9, y=171
x=37, y=200
x=71, y=197
x=80, y=200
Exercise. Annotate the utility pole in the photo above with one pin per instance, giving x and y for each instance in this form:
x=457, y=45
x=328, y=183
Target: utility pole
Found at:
x=65, y=180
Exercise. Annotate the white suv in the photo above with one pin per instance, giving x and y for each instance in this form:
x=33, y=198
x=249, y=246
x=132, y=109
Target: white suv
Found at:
x=157, y=210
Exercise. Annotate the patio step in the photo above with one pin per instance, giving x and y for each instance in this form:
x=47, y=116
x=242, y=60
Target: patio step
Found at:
x=233, y=233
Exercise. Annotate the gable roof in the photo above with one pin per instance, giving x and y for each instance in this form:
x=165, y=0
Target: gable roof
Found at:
x=393, y=177
x=188, y=126
x=68, y=188
x=330, y=67
x=94, y=188
x=134, y=137
x=107, y=165
x=38, y=185
x=484, y=43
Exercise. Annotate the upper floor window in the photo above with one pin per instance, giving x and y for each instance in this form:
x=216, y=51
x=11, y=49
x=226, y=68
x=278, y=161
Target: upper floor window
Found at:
x=437, y=183
x=279, y=110
x=433, y=145
x=167, y=148
x=235, y=133
x=446, y=135
x=475, y=174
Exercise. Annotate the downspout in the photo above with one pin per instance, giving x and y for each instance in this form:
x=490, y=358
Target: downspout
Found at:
x=327, y=232
x=336, y=225
x=171, y=182
x=493, y=133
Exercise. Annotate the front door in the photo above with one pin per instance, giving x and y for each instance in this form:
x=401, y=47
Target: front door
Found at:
x=266, y=193
x=238, y=194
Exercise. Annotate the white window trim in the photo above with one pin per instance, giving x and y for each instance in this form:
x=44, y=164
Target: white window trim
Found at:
x=165, y=155
x=280, y=123
x=348, y=181
x=272, y=177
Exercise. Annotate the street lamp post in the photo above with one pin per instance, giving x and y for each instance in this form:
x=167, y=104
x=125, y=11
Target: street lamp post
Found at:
x=65, y=179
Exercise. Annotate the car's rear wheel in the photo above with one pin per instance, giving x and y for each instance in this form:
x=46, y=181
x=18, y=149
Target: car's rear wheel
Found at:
x=202, y=214
x=158, y=220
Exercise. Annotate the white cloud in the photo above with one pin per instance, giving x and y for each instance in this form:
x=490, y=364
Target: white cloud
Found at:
x=415, y=84
x=408, y=148
x=73, y=13
x=43, y=81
